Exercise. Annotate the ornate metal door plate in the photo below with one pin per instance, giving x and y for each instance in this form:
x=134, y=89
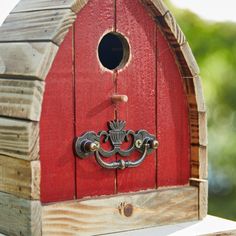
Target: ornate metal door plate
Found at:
x=89, y=144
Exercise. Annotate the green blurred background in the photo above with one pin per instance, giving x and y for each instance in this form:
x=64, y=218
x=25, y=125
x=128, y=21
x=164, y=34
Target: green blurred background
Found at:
x=214, y=46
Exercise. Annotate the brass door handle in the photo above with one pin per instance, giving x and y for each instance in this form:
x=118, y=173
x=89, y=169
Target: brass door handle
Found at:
x=89, y=144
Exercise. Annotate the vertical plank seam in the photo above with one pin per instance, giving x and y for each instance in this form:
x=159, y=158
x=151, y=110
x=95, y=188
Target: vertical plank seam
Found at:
x=115, y=16
x=115, y=79
x=156, y=103
x=74, y=106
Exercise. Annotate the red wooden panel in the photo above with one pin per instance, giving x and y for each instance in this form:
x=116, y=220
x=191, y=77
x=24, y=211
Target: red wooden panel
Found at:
x=173, y=131
x=57, y=129
x=94, y=88
x=137, y=80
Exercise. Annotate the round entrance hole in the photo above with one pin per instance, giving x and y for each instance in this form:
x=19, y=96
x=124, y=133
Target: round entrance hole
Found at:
x=113, y=51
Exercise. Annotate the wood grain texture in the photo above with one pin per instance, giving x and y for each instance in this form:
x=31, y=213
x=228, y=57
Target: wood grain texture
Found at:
x=94, y=87
x=201, y=106
x=172, y=119
x=155, y=7
x=26, y=60
x=100, y=216
x=21, y=99
x=187, y=63
x=57, y=129
x=29, y=5
x=195, y=97
x=203, y=199
x=199, y=162
x=19, y=177
x=19, y=217
x=138, y=81
x=198, y=128
x=48, y=25
x=19, y=139
x=203, y=136
x=171, y=29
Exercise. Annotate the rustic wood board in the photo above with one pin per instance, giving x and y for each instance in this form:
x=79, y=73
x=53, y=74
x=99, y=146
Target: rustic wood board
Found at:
x=172, y=119
x=199, y=94
x=21, y=99
x=94, y=87
x=137, y=80
x=93, y=217
x=29, y=5
x=203, y=136
x=19, y=217
x=198, y=127
x=187, y=63
x=199, y=162
x=19, y=139
x=202, y=185
x=19, y=177
x=172, y=31
x=48, y=25
x=155, y=7
x=203, y=199
x=26, y=60
x=57, y=129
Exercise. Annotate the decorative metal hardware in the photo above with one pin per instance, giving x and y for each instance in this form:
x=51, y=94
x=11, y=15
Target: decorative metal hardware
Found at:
x=89, y=144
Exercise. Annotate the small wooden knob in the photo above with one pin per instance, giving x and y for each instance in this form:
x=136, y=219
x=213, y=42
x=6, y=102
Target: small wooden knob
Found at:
x=119, y=98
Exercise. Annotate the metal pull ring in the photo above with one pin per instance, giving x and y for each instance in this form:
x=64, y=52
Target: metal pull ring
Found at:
x=89, y=145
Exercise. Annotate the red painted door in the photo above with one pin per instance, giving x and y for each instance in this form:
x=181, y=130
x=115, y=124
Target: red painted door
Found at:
x=150, y=78
x=138, y=81
x=78, y=94
x=94, y=87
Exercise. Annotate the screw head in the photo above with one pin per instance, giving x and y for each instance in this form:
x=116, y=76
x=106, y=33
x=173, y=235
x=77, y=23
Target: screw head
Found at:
x=155, y=144
x=94, y=146
x=138, y=143
x=122, y=164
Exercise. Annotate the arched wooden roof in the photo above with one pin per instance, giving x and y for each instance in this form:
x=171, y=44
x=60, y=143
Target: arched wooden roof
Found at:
x=29, y=40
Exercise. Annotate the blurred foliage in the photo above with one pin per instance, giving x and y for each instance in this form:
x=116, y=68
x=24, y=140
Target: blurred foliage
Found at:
x=214, y=46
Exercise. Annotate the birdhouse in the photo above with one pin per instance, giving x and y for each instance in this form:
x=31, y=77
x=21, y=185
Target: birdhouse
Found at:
x=102, y=119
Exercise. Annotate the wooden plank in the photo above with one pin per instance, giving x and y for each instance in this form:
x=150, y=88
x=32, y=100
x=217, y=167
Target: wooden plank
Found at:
x=29, y=5
x=203, y=140
x=31, y=60
x=48, y=25
x=199, y=94
x=198, y=127
x=186, y=60
x=19, y=177
x=171, y=29
x=19, y=139
x=138, y=81
x=173, y=119
x=94, y=87
x=194, y=94
x=199, y=162
x=127, y=212
x=57, y=128
x=203, y=199
x=155, y=7
x=19, y=216
x=21, y=98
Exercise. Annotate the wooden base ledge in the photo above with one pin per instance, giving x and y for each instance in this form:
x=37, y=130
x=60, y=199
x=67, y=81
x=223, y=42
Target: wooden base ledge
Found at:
x=120, y=213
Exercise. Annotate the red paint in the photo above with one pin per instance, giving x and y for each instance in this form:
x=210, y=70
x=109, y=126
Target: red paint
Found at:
x=94, y=88
x=78, y=99
x=57, y=129
x=172, y=111
x=137, y=81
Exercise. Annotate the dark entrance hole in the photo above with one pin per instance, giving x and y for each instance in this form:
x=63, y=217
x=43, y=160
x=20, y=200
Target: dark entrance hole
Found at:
x=113, y=51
